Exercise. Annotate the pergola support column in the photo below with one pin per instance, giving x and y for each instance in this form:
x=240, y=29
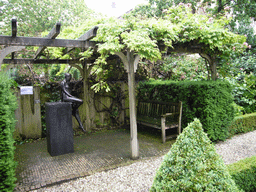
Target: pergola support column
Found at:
x=86, y=95
x=130, y=62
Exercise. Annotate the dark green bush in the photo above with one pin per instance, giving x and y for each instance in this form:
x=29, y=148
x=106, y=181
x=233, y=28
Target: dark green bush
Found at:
x=243, y=173
x=243, y=124
x=192, y=164
x=209, y=101
x=8, y=105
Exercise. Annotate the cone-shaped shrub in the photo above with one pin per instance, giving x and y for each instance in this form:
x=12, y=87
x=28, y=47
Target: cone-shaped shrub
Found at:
x=192, y=164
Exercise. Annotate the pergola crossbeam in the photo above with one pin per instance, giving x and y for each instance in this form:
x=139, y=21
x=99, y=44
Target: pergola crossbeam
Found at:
x=40, y=42
x=52, y=35
x=40, y=61
x=87, y=36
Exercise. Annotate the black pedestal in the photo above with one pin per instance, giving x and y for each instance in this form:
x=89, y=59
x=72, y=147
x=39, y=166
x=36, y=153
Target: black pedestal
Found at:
x=59, y=128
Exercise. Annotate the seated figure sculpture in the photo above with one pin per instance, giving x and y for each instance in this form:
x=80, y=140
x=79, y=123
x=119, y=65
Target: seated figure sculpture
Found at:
x=67, y=97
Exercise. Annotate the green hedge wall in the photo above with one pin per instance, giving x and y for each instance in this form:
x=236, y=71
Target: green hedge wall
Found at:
x=243, y=173
x=209, y=101
x=8, y=105
x=243, y=124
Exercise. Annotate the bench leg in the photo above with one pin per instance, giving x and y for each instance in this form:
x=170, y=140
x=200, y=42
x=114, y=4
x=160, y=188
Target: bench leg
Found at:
x=163, y=129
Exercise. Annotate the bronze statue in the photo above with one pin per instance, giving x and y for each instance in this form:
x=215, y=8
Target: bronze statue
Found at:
x=67, y=97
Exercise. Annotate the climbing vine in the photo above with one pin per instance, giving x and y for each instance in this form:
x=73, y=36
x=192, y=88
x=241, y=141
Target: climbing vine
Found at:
x=178, y=26
x=150, y=37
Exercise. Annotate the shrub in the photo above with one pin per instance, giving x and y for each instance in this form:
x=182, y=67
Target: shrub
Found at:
x=243, y=124
x=209, y=101
x=244, y=91
x=192, y=164
x=243, y=173
x=8, y=104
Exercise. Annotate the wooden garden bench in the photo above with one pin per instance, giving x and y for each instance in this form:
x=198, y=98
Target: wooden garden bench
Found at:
x=160, y=115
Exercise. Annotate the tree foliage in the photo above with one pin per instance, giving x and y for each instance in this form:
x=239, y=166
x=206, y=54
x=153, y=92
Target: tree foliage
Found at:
x=157, y=8
x=178, y=26
x=241, y=11
x=35, y=17
x=189, y=67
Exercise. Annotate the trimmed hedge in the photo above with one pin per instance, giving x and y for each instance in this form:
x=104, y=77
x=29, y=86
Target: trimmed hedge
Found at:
x=8, y=104
x=243, y=173
x=192, y=164
x=243, y=124
x=209, y=101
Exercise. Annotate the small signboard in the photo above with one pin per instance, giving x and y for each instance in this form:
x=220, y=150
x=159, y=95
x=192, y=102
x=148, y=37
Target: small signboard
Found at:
x=26, y=90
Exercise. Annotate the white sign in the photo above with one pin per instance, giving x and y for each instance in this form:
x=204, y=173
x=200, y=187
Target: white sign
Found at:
x=26, y=90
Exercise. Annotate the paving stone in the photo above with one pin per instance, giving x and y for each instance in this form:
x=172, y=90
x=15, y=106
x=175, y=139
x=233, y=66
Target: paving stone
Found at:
x=93, y=152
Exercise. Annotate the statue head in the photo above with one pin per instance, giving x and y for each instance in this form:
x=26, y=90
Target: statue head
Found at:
x=68, y=76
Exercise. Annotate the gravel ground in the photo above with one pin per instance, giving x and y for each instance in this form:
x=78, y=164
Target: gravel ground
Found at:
x=138, y=177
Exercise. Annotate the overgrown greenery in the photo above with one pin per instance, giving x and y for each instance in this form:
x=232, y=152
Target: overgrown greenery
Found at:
x=192, y=164
x=171, y=29
x=150, y=37
x=242, y=75
x=243, y=172
x=210, y=101
x=8, y=105
x=240, y=16
x=178, y=68
x=241, y=13
x=142, y=36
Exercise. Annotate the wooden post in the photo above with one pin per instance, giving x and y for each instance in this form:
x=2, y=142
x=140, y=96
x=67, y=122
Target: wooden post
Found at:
x=163, y=129
x=86, y=96
x=132, y=106
x=130, y=63
x=28, y=114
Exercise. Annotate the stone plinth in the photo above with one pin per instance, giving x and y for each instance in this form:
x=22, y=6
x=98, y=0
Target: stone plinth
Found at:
x=59, y=128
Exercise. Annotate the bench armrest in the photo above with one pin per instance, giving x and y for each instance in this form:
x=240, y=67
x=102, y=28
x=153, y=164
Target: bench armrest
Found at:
x=169, y=114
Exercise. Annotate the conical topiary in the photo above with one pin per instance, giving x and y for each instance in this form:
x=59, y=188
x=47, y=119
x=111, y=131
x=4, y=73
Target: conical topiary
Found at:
x=192, y=164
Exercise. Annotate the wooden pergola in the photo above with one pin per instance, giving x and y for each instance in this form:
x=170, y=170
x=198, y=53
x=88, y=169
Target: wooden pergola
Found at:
x=129, y=58
x=14, y=43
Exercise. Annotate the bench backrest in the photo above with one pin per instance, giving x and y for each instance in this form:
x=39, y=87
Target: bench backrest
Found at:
x=157, y=108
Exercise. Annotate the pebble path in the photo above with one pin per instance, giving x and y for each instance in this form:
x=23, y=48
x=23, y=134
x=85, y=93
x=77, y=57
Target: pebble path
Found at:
x=139, y=176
